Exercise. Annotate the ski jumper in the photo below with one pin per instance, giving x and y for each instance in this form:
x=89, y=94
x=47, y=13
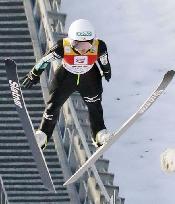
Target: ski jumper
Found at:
x=76, y=73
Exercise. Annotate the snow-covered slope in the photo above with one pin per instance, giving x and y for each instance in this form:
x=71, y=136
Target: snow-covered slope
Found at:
x=141, y=41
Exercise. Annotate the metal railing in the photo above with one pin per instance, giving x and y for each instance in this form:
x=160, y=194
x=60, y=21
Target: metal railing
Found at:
x=50, y=24
x=3, y=195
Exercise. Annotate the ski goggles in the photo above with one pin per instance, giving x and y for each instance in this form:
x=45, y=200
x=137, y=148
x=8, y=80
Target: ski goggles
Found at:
x=82, y=46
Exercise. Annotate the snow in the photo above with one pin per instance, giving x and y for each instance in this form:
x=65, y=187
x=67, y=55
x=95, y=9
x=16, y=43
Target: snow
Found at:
x=141, y=43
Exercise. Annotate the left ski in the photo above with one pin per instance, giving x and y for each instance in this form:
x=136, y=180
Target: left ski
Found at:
x=17, y=96
x=146, y=105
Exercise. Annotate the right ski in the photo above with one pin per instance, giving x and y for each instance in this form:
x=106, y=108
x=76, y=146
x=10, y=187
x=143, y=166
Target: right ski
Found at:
x=146, y=105
x=18, y=99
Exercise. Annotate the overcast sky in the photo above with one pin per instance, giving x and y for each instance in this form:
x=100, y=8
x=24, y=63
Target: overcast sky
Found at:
x=140, y=35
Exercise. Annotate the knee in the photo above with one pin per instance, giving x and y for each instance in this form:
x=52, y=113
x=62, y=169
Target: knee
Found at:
x=94, y=107
x=51, y=112
x=92, y=100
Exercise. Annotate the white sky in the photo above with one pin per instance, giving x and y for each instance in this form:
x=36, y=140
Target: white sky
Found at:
x=141, y=42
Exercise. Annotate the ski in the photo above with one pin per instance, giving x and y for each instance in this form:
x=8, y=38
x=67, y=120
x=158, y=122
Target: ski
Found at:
x=11, y=70
x=143, y=108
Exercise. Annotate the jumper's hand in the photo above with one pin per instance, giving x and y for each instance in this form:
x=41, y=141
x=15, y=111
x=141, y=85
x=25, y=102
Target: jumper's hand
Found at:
x=30, y=79
x=107, y=75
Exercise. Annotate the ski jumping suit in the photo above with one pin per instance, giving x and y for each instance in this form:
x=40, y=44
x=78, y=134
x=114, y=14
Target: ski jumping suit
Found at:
x=76, y=73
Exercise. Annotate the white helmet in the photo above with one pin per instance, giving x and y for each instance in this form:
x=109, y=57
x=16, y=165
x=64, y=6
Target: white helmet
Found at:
x=81, y=30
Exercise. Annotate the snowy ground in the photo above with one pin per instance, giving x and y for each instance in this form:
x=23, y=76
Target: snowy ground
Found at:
x=141, y=43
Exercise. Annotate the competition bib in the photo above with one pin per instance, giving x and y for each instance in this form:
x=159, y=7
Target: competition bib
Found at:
x=76, y=63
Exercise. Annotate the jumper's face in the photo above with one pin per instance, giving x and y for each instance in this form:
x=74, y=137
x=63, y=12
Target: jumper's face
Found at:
x=81, y=46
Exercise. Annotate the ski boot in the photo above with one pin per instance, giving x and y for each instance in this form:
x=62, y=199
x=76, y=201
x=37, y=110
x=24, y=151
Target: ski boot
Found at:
x=41, y=139
x=102, y=137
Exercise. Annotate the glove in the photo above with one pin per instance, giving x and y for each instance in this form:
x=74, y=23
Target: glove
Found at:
x=107, y=75
x=30, y=79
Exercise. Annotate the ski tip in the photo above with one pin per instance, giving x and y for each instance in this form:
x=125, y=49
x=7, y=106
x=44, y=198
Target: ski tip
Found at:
x=171, y=72
x=9, y=61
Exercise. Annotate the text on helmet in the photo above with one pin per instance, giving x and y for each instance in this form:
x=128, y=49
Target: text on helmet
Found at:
x=85, y=33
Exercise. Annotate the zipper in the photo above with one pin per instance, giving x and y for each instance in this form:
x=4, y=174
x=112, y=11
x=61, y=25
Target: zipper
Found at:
x=78, y=79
